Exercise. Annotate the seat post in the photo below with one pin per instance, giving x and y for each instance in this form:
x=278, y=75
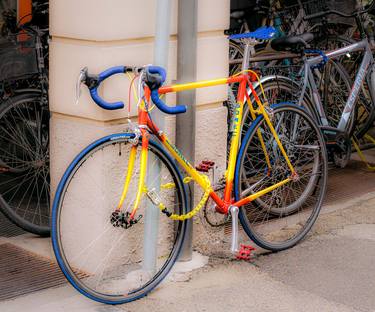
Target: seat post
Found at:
x=248, y=52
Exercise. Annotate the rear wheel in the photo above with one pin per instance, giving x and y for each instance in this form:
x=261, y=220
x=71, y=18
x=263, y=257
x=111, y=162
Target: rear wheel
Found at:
x=104, y=260
x=282, y=217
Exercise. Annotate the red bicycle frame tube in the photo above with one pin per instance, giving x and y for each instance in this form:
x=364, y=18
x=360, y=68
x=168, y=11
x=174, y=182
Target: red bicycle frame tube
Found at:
x=144, y=120
x=222, y=204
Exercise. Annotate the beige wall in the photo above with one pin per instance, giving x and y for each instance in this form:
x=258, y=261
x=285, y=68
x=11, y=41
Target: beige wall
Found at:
x=100, y=34
x=69, y=56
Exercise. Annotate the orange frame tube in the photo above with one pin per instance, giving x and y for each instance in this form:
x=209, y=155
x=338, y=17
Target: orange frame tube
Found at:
x=222, y=204
x=24, y=15
x=24, y=11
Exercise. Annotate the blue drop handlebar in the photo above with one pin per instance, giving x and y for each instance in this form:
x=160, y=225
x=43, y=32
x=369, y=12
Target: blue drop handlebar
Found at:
x=155, y=73
x=160, y=77
x=94, y=89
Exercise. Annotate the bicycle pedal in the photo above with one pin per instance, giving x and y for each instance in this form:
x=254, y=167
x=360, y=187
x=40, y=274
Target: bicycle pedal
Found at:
x=245, y=252
x=205, y=166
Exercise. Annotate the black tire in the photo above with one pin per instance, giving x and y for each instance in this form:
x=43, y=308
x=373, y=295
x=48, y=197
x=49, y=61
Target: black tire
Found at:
x=24, y=162
x=281, y=218
x=92, y=206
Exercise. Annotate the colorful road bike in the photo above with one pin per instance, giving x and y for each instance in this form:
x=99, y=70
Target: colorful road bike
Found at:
x=109, y=237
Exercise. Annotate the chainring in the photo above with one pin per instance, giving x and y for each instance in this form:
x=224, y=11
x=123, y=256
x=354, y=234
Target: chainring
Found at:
x=211, y=217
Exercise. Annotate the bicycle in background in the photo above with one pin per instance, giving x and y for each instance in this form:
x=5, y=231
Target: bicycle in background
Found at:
x=343, y=109
x=24, y=125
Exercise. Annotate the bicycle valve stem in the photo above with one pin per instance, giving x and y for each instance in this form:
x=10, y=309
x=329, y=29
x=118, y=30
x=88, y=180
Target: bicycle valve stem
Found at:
x=234, y=213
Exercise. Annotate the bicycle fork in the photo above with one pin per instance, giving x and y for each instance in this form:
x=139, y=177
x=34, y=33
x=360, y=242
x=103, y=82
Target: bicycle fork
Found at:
x=129, y=174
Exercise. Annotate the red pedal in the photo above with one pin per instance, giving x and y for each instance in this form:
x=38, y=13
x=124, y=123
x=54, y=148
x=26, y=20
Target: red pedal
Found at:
x=205, y=166
x=245, y=252
x=202, y=168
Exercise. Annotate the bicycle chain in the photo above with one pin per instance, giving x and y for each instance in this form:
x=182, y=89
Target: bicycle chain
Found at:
x=193, y=212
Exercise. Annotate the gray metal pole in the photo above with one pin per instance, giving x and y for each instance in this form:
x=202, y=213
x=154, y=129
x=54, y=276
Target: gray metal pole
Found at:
x=161, y=47
x=186, y=72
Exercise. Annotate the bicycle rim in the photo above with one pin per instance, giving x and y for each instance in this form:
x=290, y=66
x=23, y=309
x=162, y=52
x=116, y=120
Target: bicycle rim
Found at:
x=106, y=263
x=281, y=218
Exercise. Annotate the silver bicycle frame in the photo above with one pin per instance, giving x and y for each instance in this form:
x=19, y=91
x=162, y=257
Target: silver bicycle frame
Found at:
x=362, y=74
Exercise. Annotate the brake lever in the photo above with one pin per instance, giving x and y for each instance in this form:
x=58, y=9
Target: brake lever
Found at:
x=81, y=79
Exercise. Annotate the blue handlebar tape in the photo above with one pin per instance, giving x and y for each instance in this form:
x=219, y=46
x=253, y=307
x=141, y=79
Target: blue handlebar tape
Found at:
x=94, y=91
x=111, y=71
x=165, y=108
x=158, y=70
x=103, y=104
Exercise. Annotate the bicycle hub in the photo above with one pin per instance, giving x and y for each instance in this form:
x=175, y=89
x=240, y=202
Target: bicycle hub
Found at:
x=121, y=219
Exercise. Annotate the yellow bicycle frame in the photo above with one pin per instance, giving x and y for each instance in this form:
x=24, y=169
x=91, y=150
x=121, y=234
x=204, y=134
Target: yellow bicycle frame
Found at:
x=222, y=204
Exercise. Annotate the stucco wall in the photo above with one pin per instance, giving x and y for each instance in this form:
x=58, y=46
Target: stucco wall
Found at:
x=100, y=34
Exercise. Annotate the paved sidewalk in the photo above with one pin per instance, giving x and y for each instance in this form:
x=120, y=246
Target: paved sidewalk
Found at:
x=332, y=270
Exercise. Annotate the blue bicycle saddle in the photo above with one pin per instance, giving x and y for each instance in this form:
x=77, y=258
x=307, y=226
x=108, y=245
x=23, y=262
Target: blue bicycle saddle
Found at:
x=262, y=33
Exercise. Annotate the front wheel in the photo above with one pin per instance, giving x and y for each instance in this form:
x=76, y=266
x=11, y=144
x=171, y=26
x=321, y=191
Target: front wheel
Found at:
x=282, y=217
x=101, y=257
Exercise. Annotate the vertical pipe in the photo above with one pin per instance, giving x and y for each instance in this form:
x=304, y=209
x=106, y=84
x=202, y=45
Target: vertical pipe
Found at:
x=161, y=47
x=186, y=71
